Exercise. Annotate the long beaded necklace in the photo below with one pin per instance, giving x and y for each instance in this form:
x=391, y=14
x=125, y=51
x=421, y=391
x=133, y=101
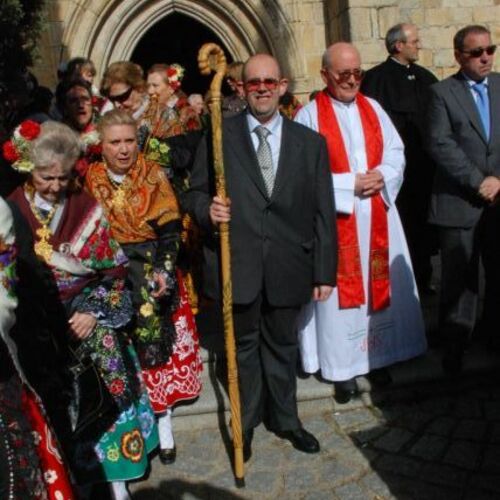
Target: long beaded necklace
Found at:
x=42, y=247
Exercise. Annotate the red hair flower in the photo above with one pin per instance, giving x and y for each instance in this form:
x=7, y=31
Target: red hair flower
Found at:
x=10, y=152
x=95, y=149
x=29, y=129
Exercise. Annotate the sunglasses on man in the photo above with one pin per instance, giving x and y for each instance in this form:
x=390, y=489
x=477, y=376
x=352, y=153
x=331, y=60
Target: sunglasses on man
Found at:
x=345, y=76
x=478, y=51
x=121, y=97
x=253, y=85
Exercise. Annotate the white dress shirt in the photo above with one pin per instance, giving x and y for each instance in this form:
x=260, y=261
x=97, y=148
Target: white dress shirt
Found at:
x=274, y=125
x=471, y=84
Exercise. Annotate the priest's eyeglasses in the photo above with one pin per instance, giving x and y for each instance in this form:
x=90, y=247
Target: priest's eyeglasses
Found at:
x=253, y=85
x=345, y=76
x=479, y=51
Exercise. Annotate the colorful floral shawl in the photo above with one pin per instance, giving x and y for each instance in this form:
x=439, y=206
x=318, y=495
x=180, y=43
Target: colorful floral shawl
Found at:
x=82, y=242
x=150, y=200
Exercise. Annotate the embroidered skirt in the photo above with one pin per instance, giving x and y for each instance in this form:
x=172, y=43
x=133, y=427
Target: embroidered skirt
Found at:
x=180, y=378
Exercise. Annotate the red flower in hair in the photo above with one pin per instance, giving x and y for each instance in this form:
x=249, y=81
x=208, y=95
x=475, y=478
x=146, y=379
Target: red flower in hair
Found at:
x=171, y=72
x=94, y=150
x=10, y=152
x=29, y=129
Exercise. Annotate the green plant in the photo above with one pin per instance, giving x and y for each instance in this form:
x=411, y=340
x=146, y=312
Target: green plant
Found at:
x=21, y=23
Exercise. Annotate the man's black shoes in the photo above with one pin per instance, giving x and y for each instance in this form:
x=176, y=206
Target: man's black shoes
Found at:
x=301, y=440
x=247, y=445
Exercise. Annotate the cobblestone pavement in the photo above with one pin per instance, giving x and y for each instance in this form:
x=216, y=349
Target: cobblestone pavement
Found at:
x=429, y=440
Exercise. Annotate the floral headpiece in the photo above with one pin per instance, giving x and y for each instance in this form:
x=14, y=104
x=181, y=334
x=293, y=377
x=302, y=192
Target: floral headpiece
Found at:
x=17, y=149
x=90, y=141
x=175, y=74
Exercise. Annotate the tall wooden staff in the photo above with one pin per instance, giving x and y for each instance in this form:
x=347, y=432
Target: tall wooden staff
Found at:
x=211, y=58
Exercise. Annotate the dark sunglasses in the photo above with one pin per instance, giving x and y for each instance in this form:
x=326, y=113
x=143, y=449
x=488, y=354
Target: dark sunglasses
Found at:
x=121, y=97
x=345, y=76
x=478, y=52
x=254, y=84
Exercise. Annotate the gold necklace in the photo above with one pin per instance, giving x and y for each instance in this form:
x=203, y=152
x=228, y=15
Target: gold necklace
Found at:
x=118, y=198
x=42, y=247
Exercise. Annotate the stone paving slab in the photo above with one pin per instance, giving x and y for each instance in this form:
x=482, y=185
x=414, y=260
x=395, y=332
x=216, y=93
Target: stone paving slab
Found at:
x=368, y=452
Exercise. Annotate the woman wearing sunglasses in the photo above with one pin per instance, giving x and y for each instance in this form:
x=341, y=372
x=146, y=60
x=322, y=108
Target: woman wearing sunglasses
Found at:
x=124, y=86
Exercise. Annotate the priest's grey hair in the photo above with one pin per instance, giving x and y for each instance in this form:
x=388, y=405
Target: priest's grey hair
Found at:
x=394, y=35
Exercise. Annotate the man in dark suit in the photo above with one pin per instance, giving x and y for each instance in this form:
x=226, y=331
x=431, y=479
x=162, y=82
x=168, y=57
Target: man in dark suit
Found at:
x=283, y=244
x=402, y=88
x=464, y=140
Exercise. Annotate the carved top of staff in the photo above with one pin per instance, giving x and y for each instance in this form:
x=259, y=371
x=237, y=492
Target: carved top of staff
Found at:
x=211, y=58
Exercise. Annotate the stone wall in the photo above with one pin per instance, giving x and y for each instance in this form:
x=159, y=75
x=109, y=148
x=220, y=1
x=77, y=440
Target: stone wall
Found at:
x=365, y=23
x=297, y=31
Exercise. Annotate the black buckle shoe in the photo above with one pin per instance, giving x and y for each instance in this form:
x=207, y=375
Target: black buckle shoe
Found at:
x=168, y=455
x=301, y=440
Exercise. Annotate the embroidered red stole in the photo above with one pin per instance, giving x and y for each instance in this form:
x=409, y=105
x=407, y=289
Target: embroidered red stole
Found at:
x=349, y=274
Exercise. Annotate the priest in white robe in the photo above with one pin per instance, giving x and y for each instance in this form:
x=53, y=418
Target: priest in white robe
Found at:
x=373, y=318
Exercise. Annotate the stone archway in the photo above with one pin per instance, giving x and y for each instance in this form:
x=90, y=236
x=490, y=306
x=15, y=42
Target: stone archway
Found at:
x=108, y=31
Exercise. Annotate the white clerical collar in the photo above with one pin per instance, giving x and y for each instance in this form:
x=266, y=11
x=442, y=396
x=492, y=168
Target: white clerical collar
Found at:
x=116, y=177
x=273, y=125
x=406, y=65
x=343, y=103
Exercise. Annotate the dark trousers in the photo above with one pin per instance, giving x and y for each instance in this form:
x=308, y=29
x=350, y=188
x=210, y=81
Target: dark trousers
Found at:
x=420, y=235
x=266, y=339
x=461, y=250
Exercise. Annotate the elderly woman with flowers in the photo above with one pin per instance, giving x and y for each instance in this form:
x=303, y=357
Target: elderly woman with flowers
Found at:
x=173, y=114
x=144, y=215
x=171, y=122
x=83, y=270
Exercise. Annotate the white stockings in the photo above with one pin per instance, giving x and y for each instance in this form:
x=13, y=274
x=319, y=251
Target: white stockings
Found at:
x=165, y=430
x=119, y=490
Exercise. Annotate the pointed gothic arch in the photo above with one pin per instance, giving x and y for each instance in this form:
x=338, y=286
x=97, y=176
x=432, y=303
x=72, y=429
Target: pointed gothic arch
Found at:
x=108, y=31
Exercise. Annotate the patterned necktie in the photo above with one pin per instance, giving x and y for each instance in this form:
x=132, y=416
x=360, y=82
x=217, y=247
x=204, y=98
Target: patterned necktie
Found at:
x=265, y=158
x=483, y=106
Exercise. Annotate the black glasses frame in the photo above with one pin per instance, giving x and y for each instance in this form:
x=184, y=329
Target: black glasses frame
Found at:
x=121, y=97
x=479, y=51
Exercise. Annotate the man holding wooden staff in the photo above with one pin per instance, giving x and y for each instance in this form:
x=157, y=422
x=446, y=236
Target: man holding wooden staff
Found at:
x=283, y=244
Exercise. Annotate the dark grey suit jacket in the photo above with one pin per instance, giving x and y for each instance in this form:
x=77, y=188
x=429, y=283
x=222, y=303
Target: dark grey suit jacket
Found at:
x=459, y=147
x=284, y=244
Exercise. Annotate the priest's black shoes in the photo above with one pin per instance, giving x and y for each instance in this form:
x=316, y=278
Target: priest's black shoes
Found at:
x=247, y=444
x=345, y=390
x=301, y=440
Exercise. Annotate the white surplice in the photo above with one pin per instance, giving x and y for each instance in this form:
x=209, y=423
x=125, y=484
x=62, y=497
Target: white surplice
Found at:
x=344, y=343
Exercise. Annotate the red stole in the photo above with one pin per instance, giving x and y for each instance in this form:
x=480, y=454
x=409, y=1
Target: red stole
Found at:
x=349, y=274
